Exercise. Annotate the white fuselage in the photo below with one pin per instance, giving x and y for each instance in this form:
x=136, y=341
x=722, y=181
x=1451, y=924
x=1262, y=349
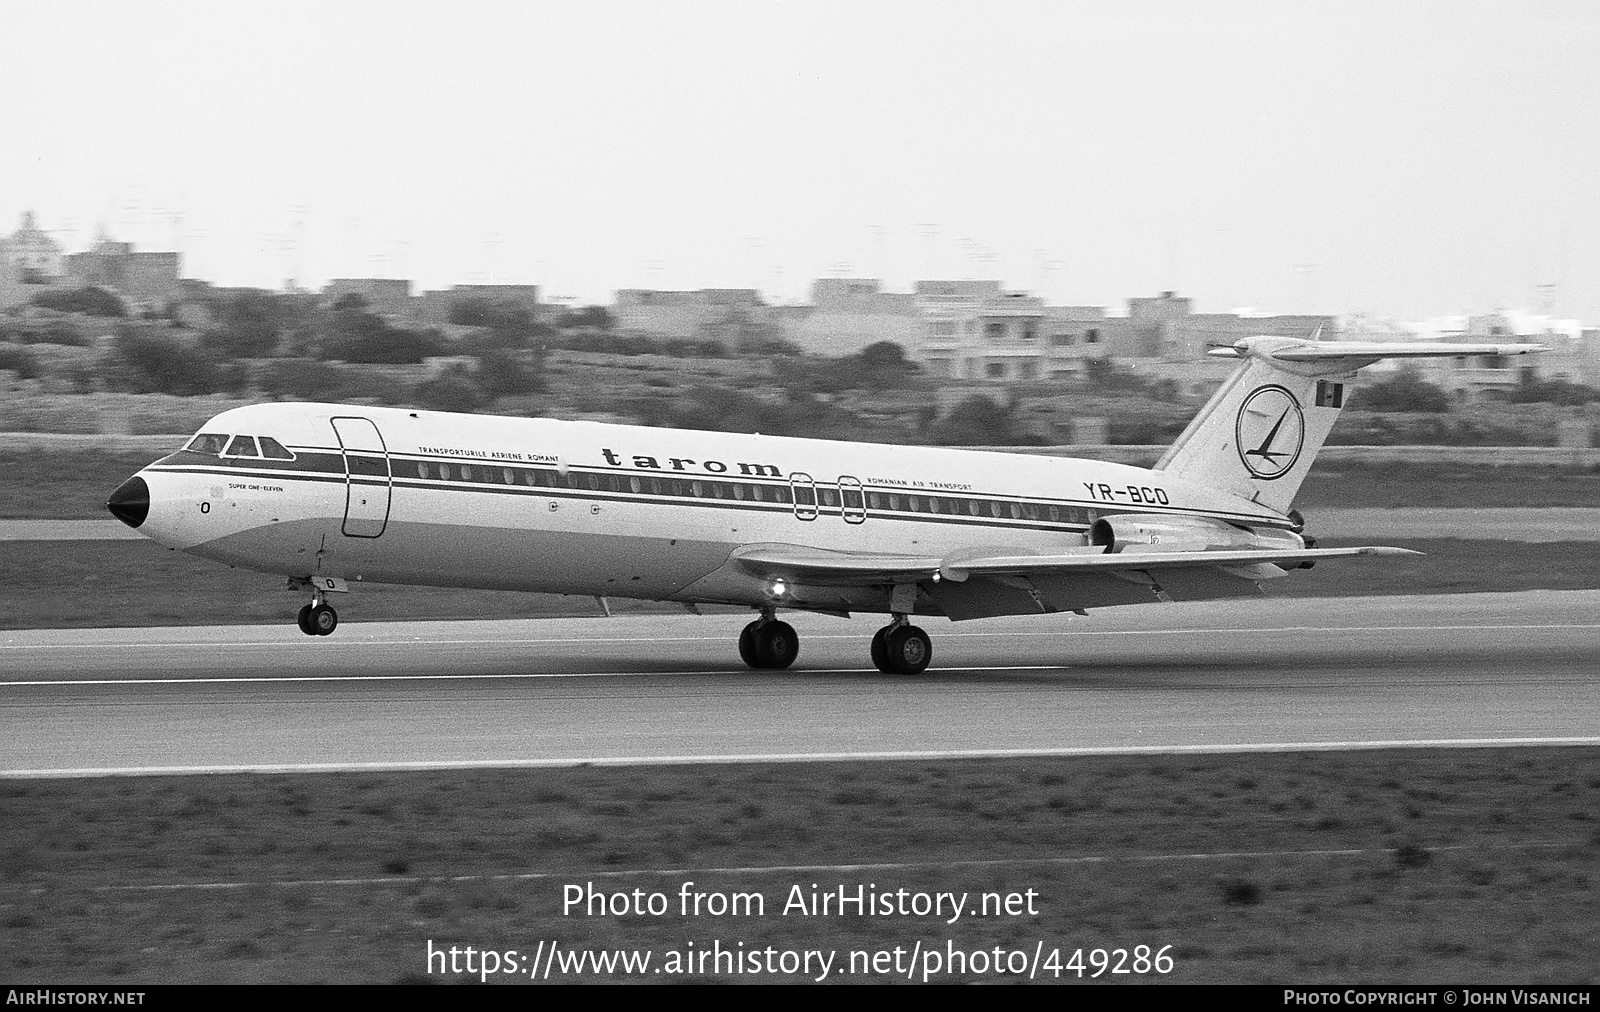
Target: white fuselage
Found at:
x=420, y=497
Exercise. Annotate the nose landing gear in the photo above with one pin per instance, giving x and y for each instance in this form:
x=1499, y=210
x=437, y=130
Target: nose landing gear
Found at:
x=318, y=618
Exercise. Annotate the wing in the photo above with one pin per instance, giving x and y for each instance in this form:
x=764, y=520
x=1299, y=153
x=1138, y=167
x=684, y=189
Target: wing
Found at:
x=820, y=566
x=980, y=583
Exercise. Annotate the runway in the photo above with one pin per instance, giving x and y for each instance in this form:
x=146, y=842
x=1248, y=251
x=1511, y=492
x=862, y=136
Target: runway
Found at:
x=1217, y=676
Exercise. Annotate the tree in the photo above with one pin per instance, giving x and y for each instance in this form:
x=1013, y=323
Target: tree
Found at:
x=452, y=390
x=1104, y=374
x=588, y=317
x=883, y=366
x=1562, y=392
x=1407, y=391
x=508, y=324
x=248, y=326
x=356, y=336
x=19, y=361
x=151, y=363
x=90, y=301
x=976, y=421
x=500, y=373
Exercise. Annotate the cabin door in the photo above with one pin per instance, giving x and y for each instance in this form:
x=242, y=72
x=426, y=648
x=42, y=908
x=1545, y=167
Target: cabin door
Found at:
x=367, y=480
x=804, y=489
x=852, y=500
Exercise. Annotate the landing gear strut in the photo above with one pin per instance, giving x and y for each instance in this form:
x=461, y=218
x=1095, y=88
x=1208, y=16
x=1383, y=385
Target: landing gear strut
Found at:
x=768, y=643
x=901, y=648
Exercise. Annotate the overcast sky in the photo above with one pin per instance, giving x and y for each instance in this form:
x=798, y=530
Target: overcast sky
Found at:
x=1395, y=158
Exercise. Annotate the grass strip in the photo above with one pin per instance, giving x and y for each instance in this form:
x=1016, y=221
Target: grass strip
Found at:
x=1413, y=866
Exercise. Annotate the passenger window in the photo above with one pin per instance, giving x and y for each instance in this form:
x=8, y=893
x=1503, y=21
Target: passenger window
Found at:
x=739, y=491
x=914, y=503
x=528, y=478
x=894, y=502
x=208, y=442
x=1055, y=513
x=274, y=450
x=830, y=497
x=242, y=446
x=1016, y=512
x=444, y=472
x=973, y=506
x=758, y=493
x=466, y=472
x=510, y=475
x=874, y=500
x=697, y=490
x=422, y=469
x=994, y=507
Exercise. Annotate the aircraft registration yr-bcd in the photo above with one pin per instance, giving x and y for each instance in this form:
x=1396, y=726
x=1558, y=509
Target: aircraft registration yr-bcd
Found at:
x=331, y=494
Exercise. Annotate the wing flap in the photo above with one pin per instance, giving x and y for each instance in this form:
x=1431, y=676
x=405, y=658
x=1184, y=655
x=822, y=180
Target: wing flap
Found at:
x=1023, y=565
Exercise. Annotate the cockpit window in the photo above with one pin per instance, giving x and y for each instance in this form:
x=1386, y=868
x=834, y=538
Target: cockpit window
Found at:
x=274, y=450
x=242, y=446
x=208, y=442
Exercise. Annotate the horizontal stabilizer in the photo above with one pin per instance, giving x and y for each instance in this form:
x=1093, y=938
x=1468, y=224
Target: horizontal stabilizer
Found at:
x=1374, y=350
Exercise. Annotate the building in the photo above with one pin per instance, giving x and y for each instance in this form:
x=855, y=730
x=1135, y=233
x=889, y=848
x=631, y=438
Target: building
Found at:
x=847, y=315
x=436, y=307
x=706, y=314
x=974, y=330
x=1573, y=353
x=30, y=261
x=33, y=255
x=384, y=296
x=147, y=280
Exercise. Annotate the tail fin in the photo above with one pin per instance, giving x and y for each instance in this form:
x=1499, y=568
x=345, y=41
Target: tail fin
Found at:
x=1259, y=433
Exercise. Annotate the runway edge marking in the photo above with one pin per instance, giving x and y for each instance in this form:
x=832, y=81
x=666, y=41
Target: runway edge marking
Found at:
x=689, y=760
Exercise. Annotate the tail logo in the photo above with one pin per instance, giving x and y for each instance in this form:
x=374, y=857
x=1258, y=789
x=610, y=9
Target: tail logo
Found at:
x=1269, y=432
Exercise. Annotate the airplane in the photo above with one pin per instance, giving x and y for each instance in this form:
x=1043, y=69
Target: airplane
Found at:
x=332, y=495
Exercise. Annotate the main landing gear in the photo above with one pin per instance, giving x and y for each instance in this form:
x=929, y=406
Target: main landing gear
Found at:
x=899, y=648
x=768, y=643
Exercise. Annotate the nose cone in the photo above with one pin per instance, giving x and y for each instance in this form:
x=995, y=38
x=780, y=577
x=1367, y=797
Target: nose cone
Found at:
x=130, y=503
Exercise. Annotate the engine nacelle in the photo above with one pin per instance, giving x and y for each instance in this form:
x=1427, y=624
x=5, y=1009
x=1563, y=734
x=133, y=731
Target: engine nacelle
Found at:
x=1154, y=532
